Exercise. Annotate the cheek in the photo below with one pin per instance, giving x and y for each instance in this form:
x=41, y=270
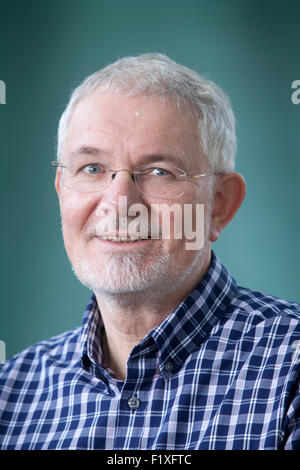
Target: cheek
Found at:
x=191, y=231
x=75, y=210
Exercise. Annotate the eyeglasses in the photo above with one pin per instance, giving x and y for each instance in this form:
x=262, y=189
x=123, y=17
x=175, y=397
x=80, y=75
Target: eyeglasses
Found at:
x=166, y=181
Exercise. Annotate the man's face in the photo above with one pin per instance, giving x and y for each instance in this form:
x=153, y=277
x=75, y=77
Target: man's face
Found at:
x=127, y=133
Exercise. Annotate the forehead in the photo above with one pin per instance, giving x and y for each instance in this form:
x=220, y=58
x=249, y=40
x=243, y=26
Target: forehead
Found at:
x=132, y=125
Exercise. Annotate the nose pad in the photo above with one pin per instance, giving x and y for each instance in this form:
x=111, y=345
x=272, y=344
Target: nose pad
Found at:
x=113, y=175
x=123, y=187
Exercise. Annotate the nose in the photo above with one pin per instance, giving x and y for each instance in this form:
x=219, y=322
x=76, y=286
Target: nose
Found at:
x=116, y=199
x=122, y=184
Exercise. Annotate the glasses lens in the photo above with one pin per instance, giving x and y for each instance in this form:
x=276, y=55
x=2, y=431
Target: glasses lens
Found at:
x=88, y=178
x=161, y=182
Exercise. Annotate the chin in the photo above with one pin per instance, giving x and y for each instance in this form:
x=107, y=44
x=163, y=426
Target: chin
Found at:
x=127, y=273
x=122, y=273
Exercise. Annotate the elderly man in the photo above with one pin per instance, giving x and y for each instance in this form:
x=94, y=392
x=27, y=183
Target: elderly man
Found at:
x=172, y=353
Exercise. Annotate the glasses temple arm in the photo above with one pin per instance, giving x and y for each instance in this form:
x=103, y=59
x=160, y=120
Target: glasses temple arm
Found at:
x=57, y=164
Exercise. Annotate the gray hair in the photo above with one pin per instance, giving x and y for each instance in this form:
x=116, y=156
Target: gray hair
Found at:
x=158, y=76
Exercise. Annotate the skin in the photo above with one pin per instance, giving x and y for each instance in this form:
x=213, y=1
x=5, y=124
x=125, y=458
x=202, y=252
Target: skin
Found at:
x=125, y=132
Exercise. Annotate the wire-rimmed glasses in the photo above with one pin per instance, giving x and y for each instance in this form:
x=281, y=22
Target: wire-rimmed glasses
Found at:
x=162, y=181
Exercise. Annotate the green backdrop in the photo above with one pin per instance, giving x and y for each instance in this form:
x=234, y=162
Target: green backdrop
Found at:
x=250, y=48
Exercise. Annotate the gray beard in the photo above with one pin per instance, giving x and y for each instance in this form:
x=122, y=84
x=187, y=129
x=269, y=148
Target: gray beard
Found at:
x=123, y=274
x=128, y=273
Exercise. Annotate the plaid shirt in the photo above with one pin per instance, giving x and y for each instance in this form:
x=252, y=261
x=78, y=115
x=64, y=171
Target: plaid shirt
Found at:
x=221, y=372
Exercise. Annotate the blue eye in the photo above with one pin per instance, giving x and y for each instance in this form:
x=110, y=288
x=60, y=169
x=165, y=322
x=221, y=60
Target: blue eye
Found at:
x=158, y=172
x=93, y=169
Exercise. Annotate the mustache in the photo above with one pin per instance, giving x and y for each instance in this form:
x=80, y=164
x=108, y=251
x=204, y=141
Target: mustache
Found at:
x=123, y=226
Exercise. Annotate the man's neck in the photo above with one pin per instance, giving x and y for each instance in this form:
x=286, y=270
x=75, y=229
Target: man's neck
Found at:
x=126, y=326
x=128, y=318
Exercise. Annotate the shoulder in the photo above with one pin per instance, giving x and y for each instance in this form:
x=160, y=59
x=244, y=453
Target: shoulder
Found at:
x=264, y=320
x=263, y=306
x=52, y=352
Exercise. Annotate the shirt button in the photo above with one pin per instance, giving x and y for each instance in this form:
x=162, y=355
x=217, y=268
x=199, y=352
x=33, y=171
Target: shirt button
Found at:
x=134, y=403
x=169, y=367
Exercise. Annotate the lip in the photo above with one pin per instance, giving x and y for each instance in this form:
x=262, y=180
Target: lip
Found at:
x=123, y=244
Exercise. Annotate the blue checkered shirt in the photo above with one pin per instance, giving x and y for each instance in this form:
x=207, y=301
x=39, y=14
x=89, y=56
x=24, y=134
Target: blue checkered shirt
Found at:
x=221, y=372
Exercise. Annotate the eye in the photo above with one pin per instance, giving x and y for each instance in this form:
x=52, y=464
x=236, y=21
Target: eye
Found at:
x=159, y=172
x=93, y=169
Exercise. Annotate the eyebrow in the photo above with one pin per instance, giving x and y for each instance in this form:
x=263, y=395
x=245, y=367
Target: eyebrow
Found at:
x=146, y=158
x=166, y=157
x=82, y=151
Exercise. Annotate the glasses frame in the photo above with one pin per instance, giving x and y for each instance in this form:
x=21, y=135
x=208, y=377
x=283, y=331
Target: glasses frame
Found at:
x=113, y=171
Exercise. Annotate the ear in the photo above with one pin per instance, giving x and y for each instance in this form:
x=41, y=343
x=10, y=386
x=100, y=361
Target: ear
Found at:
x=229, y=193
x=57, y=181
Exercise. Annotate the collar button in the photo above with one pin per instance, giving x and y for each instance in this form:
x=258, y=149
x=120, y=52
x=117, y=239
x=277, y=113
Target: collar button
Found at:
x=169, y=366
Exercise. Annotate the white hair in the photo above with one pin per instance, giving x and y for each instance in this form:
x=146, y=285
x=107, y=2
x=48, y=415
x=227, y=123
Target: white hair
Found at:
x=158, y=76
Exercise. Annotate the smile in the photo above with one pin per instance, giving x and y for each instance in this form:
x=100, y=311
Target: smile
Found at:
x=123, y=239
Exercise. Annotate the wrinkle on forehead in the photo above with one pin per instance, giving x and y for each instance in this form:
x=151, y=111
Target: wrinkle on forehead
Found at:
x=133, y=126
x=114, y=106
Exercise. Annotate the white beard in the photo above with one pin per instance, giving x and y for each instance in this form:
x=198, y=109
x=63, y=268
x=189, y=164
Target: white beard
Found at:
x=125, y=273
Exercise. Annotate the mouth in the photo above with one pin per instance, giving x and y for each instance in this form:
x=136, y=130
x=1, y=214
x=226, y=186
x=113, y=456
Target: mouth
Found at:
x=127, y=240
x=123, y=239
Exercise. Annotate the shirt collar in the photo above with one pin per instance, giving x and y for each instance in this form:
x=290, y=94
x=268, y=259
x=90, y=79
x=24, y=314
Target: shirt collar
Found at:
x=182, y=332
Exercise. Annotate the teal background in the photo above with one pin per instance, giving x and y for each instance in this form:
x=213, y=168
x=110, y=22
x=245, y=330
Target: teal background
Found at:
x=250, y=48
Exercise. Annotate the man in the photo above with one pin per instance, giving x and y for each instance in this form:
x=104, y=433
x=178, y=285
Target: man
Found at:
x=172, y=354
